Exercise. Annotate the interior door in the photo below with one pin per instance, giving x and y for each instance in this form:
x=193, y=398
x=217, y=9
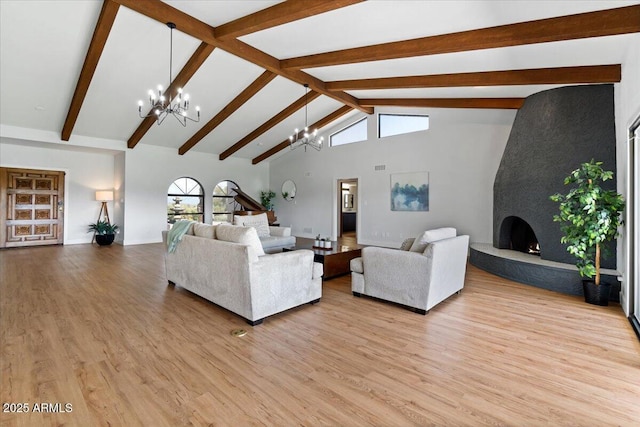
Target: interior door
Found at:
x=31, y=207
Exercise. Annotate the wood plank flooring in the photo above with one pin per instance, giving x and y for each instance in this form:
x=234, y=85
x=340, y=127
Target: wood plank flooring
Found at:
x=98, y=328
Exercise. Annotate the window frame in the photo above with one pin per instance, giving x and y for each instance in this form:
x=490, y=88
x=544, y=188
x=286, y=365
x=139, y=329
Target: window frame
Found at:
x=402, y=115
x=200, y=213
x=227, y=196
x=362, y=119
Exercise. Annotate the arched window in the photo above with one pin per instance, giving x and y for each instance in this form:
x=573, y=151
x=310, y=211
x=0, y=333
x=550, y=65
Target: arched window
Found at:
x=223, y=202
x=185, y=200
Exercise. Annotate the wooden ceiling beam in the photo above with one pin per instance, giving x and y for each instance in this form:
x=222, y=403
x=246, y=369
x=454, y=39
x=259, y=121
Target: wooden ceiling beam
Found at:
x=623, y=20
x=98, y=41
x=317, y=125
x=558, y=75
x=257, y=85
x=498, y=103
x=278, y=14
x=163, y=12
x=193, y=64
x=292, y=108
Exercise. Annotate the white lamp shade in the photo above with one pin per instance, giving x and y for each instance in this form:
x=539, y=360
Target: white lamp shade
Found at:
x=104, y=196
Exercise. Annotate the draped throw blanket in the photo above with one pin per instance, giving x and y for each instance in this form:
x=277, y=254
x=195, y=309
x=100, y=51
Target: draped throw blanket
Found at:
x=175, y=234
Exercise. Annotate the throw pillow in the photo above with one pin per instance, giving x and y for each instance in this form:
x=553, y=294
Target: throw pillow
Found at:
x=204, y=230
x=237, y=234
x=420, y=244
x=260, y=222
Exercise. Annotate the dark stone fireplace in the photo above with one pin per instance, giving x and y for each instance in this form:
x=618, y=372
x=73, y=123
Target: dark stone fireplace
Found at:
x=516, y=234
x=553, y=133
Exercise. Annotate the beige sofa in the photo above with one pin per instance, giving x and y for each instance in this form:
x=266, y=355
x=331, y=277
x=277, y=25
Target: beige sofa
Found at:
x=422, y=273
x=273, y=238
x=226, y=265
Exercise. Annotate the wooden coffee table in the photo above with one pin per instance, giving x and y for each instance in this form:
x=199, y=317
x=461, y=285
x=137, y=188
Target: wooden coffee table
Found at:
x=335, y=260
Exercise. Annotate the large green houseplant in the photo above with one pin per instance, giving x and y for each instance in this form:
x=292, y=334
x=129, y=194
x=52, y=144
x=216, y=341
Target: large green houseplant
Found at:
x=266, y=198
x=590, y=216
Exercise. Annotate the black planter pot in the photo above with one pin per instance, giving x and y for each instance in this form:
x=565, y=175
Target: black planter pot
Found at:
x=597, y=295
x=105, y=239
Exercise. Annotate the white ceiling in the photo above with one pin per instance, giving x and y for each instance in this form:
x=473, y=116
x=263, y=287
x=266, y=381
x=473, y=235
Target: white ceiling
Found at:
x=43, y=45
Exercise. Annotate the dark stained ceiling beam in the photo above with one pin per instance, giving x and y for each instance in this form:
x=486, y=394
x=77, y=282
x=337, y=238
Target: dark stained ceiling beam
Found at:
x=278, y=14
x=499, y=103
x=163, y=12
x=193, y=64
x=292, y=108
x=257, y=85
x=317, y=125
x=623, y=20
x=558, y=75
x=98, y=41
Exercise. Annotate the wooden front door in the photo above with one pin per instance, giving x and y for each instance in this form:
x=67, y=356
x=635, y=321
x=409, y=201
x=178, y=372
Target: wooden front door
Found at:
x=31, y=207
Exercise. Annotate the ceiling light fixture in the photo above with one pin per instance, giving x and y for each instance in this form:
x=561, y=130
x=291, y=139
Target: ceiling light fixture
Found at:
x=161, y=107
x=303, y=137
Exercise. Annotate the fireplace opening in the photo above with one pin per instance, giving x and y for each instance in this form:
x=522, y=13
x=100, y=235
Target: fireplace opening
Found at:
x=516, y=234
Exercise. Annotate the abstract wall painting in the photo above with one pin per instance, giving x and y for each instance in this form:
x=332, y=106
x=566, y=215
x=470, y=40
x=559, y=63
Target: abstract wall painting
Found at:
x=410, y=191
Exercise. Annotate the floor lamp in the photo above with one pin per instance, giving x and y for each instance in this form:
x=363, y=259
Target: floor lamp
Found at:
x=104, y=197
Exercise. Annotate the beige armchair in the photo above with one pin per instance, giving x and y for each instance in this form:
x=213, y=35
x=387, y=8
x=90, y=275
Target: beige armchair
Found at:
x=419, y=275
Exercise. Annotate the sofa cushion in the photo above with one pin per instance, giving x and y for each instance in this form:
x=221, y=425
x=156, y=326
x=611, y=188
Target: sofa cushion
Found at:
x=407, y=243
x=356, y=265
x=259, y=222
x=317, y=271
x=429, y=236
x=245, y=235
x=204, y=230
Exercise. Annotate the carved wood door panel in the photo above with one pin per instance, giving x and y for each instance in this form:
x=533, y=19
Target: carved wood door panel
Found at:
x=31, y=207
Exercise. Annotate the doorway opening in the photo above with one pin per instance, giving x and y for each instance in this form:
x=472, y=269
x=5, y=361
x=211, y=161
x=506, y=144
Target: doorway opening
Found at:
x=348, y=209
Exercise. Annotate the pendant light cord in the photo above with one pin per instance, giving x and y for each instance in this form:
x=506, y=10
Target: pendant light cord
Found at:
x=306, y=102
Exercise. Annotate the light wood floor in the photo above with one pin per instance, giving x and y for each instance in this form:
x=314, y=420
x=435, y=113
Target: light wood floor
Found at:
x=100, y=329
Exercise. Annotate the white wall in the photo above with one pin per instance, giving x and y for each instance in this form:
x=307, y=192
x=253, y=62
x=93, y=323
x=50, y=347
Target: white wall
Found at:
x=627, y=104
x=140, y=178
x=85, y=172
x=461, y=151
x=150, y=170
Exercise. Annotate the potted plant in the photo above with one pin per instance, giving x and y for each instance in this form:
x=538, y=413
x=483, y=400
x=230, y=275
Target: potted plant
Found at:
x=326, y=243
x=590, y=216
x=105, y=232
x=266, y=197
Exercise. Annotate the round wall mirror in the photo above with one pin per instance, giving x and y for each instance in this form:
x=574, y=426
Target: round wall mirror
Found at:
x=288, y=190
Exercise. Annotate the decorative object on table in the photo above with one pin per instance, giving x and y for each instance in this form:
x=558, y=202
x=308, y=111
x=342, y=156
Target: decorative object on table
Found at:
x=410, y=191
x=266, y=198
x=177, y=104
x=322, y=243
x=302, y=138
x=327, y=243
x=103, y=232
x=590, y=216
x=288, y=190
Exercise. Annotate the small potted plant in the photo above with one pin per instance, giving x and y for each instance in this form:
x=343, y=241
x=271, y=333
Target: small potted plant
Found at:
x=590, y=216
x=266, y=198
x=105, y=232
x=317, y=242
x=326, y=243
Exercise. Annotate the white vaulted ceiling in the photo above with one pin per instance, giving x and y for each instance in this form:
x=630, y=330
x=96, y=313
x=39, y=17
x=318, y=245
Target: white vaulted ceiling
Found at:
x=43, y=45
